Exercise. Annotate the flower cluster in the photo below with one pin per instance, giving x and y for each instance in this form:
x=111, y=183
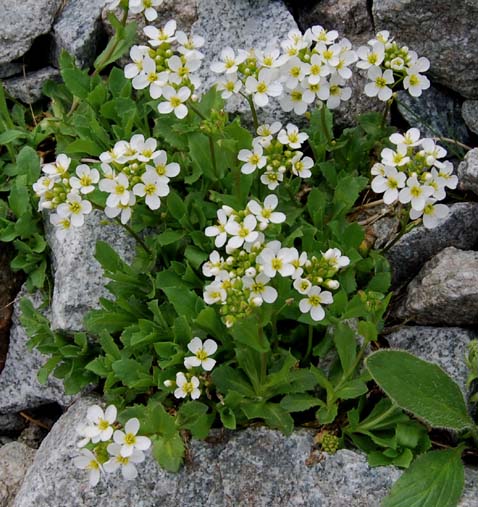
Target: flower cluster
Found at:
x=242, y=280
x=277, y=151
x=388, y=64
x=167, y=67
x=106, y=448
x=413, y=174
x=131, y=171
x=306, y=67
x=146, y=7
x=188, y=383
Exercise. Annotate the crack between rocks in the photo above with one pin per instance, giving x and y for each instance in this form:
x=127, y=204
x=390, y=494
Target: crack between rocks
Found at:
x=370, y=13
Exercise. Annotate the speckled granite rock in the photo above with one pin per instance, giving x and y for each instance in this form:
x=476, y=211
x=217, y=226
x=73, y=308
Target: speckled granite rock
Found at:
x=19, y=387
x=409, y=254
x=435, y=113
x=78, y=30
x=78, y=277
x=258, y=467
x=15, y=459
x=28, y=89
x=469, y=110
x=446, y=33
x=10, y=423
x=22, y=22
x=468, y=171
x=242, y=24
x=445, y=291
x=10, y=69
x=445, y=346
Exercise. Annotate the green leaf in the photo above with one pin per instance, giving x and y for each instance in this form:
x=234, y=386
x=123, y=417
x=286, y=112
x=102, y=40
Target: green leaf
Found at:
x=209, y=320
x=346, y=344
x=168, y=451
x=185, y=301
x=248, y=332
x=28, y=163
x=274, y=415
x=169, y=237
x=86, y=146
x=77, y=81
x=193, y=416
x=228, y=379
x=200, y=153
x=420, y=387
x=351, y=389
x=19, y=199
x=299, y=402
x=118, y=45
x=176, y=206
x=434, y=479
x=12, y=134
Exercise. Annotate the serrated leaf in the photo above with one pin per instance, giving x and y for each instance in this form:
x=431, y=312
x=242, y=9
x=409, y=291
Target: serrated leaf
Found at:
x=420, y=387
x=169, y=451
x=434, y=479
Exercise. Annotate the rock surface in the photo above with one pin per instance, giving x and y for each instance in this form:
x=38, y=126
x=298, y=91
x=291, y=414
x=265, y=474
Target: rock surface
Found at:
x=15, y=459
x=421, y=25
x=79, y=281
x=468, y=171
x=78, y=30
x=469, y=110
x=409, y=254
x=257, y=467
x=10, y=423
x=445, y=346
x=22, y=23
x=243, y=24
x=19, y=386
x=435, y=113
x=445, y=291
x=28, y=89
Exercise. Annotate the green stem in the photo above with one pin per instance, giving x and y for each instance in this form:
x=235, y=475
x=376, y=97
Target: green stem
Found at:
x=346, y=375
x=374, y=422
x=253, y=111
x=323, y=121
x=194, y=109
x=213, y=155
x=310, y=337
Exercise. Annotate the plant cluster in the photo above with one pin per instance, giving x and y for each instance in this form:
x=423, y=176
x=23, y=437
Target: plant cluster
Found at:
x=253, y=295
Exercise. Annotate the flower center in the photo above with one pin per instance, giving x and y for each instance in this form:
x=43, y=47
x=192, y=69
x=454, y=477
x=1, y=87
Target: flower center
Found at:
x=201, y=354
x=119, y=189
x=314, y=300
x=276, y=264
x=414, y=80
x=85, y=180
x=93, y=465
x=129, y=439
x=381, y=82
x=175, y=101
x=103, y=425
x=75, y=207
x=261, y=87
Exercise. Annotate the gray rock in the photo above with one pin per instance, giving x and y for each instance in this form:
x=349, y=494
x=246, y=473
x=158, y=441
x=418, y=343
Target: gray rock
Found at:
x=32, y=436
x=409, y=254
x=28, y=89
x=469, y=111
x=78, y=277
x=445, y=346
x=471, y=484
x=15, y=459
x=11, y=423
x=351, y=18
x=435, y=113
x=19, y=386
x=445, y=33
x=22, y=23
x=78, y=30
x=256, y=466
x=244, y=24
x=10, y=69
x=445, y=291
x=468, y=171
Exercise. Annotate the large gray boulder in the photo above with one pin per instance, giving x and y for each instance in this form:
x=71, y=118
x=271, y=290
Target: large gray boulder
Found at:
x=78, y=277
x=19, y=386
x=257, y=466
x=445, y=291
x=445, y=32
x=468, y=172
x=15, y=459
x=469, y=110
x=22, y=23
x=409, y=254
x=445, y=346
x=78, y=30
x=28, y=88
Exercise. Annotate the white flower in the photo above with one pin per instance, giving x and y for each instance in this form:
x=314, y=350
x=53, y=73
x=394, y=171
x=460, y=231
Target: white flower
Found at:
x=145, y=149
x=125, y=210
x=165, y=34
x=415, y=82
x=292, y=137
x=378, y=87
x=270, y=57
x=335, y=258
x=187, y=387
x=254, y=159
x=137, y=55
x=88, y=461
x=319, y=34
x=317, y=69
x=59, y=167
x=275, y=259
x=44, y=183
x=182, y=67
x=100, y=423
x=128, y=439
x=74, y=209
x=229, y=62
x=260, y=291
x=266, y=131
x=370, y=56
x=145, y=6
x=175, y=101
x=189, y=45
x=337, y=93
x=118, y=190
x=432, y=152
x=214, y=293
x=273, y=178
x=218, y=231
x=164, y=171
x=415, y=193
x=314, y=301
x=263, y=87
x=301, y=166
x=297, y=99
x=433, y=213
x=213, y=265
x=389, y=183
x=201, y=354
x=329, y=54
x=150, y=77
x=152, y=188
x=86, y=178
x=445, y=175
x=62, y=225
x=266, y=213
x=302, y=285
x=127, y=463
x=241, y=232
x=116, y=154
x=229, y=85
x=411, y=138
x=396, y=158
x=294, y=72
